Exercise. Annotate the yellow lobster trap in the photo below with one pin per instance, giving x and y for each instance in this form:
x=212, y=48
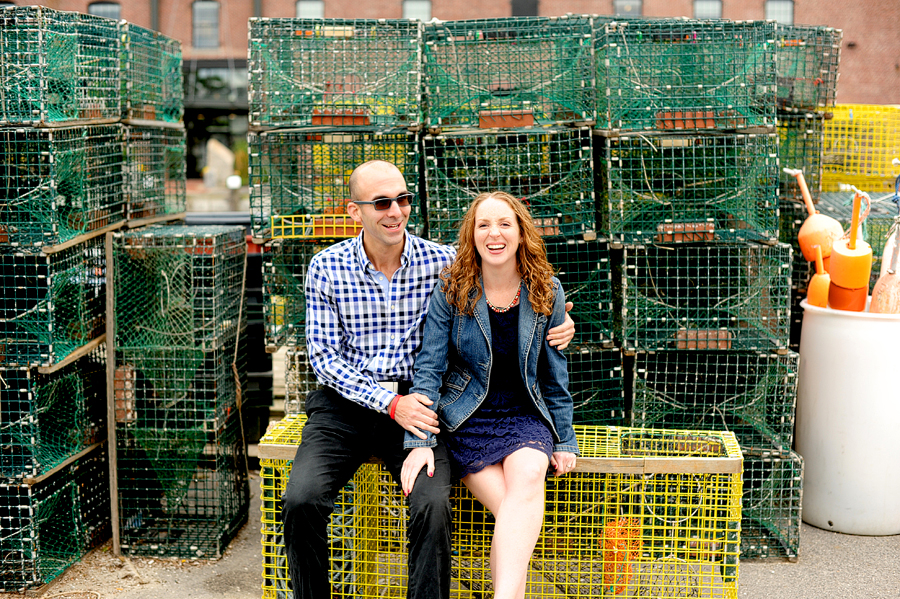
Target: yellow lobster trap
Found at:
x=647, y=513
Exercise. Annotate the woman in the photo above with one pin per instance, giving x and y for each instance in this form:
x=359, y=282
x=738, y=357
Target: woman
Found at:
x=501, y=390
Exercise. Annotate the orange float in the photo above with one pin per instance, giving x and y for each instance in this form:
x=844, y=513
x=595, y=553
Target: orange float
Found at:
x=817, y=229
x=851, y=259
x=817, y=291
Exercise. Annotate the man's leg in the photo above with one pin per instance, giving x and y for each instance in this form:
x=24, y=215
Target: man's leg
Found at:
x=328, y=456
x=430, y=523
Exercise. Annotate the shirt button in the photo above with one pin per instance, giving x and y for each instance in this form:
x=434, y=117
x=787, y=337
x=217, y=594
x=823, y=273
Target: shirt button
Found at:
x=394, y=307
x=392, y=336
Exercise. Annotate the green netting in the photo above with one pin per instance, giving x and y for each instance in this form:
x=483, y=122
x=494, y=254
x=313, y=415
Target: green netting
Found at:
x=701, y=296
x=57, y=184
x=664, y=188
x=800, y=147
x=155, y=179
x=517, y=69
x=48, y=526
x=791, y=216
x=770, y=507
x=667, y=74
x=47, y=418
x=551, y=170
x=807, y=59
x=595, y=382
x=585, y=271
x=335, y=72
x=182, y=492
x=295, y=173
x=752, y=395
x=57, y=66
x=152, y=80
x=50, y=305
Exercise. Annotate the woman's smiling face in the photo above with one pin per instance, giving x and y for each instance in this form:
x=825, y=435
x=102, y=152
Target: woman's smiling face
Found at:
x=497, y=233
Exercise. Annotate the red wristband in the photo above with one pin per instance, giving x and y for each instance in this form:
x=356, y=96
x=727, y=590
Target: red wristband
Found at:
x=394, y=403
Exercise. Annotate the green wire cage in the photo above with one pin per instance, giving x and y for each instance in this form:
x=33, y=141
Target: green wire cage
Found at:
x=155, y=180
x=585, y=270
x=674, y=188
x=299, y=379
x=596, y=385
x=509, y=72
x=791, y=216
x=152, y=79
x=807, y=59
x=551, y=170
x=800, y=146
x=706, y=296
x=57, y=66
x=671, y=74
x=344, y=73
x=771, y=504
x=50, y=305
x=58, y=184
x=306, y=175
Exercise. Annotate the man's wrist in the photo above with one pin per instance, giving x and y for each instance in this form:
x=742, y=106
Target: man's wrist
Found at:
x=393, y=407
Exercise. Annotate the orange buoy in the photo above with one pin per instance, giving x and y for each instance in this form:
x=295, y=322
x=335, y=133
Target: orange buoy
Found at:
x=817, y=291
x=851, y=259
x=817, y=229
x=886, y=293
x=852, y=300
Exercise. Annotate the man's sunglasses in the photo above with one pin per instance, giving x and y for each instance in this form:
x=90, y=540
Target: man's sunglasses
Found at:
x=403, y=200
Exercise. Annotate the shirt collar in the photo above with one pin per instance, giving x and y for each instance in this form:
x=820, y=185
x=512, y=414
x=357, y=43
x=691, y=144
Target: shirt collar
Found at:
x=363, y=259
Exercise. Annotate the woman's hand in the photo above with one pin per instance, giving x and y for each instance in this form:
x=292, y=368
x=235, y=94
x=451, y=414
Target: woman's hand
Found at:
x=412, y=465
x=562, y=461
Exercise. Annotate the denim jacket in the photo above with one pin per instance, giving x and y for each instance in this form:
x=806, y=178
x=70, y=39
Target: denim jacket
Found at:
x=453, y=367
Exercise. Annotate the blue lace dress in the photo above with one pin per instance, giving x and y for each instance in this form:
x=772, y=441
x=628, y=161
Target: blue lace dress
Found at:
x=506, y=420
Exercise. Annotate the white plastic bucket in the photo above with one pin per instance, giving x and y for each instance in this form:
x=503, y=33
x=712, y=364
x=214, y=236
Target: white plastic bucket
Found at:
x=848, y=420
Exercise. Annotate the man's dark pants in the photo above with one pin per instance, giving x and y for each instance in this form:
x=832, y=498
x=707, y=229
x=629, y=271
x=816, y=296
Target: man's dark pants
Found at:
x=338, y=437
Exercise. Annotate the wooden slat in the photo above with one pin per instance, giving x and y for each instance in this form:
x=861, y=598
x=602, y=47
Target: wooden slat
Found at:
x=78, y=353
x=49, y=473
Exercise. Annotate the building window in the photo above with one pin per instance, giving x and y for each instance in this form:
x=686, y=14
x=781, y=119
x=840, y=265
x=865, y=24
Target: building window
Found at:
x=206, y=24
x=110, y=10
x=627, y=8
x=417, y=9
x=524, y=8
x=707, y=9
x=2, y=4
x=781, y=11
x=310, y=9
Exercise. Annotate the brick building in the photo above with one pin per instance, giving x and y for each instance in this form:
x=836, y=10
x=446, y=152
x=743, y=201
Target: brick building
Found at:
x=214, y=37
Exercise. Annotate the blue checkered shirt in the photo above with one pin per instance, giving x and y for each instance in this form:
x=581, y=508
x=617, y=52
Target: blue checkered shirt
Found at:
x=358, y=334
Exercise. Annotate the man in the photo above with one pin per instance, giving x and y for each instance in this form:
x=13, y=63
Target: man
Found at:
x=366, y=301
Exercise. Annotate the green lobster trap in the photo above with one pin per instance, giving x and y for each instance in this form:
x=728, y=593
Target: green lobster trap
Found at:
x=800, y=142
x=342, y=73
x=791, y=216
x=47, y=418
x=155, y=179
x=596, y=385
x=702, y=296
x=682, y=74
x=182, y=491
x=299, y=380
x=771, y=504
x=58, y=184
x=50, y=305
x=509, y=72
x=585, y=270
x=676, y=188
x=49, y=524
x=152, y=80
x=808, y=60
x=752, y=395
x=551, y=170
x=299, y=181
x=57, y=66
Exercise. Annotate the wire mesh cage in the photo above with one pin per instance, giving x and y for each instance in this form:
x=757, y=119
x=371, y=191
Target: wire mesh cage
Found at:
x=807, y=59
x=152, y=80
x=665, y=188
x=860, y=143
x=800, y=141
x=551, y=170
x=47, y=418
x=597, y=386
x=671, y=74
x=771, y=504
x=183, y=491
x=50, y=304
x=57, y=66
x=155, y=171
x=791, y=216
x=752, y=395
x=341, y=73
x=700, y=296
x=299, y=379
x=57, y=184
x=49, y=525
x=305, y=176
x=585, y=270
x=663, y=534
x=509, y=72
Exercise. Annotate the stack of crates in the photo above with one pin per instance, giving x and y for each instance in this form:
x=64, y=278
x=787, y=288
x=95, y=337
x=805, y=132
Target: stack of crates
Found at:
x=181, y=461
x=686, y=150
x=61, y=174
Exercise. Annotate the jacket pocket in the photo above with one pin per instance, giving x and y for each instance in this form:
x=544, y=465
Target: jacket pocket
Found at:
x=456, y=383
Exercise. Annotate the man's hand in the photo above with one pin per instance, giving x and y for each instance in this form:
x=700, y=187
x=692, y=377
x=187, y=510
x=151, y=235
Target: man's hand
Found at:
x=559, y=337
x=417, y=459
x=413, y=414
